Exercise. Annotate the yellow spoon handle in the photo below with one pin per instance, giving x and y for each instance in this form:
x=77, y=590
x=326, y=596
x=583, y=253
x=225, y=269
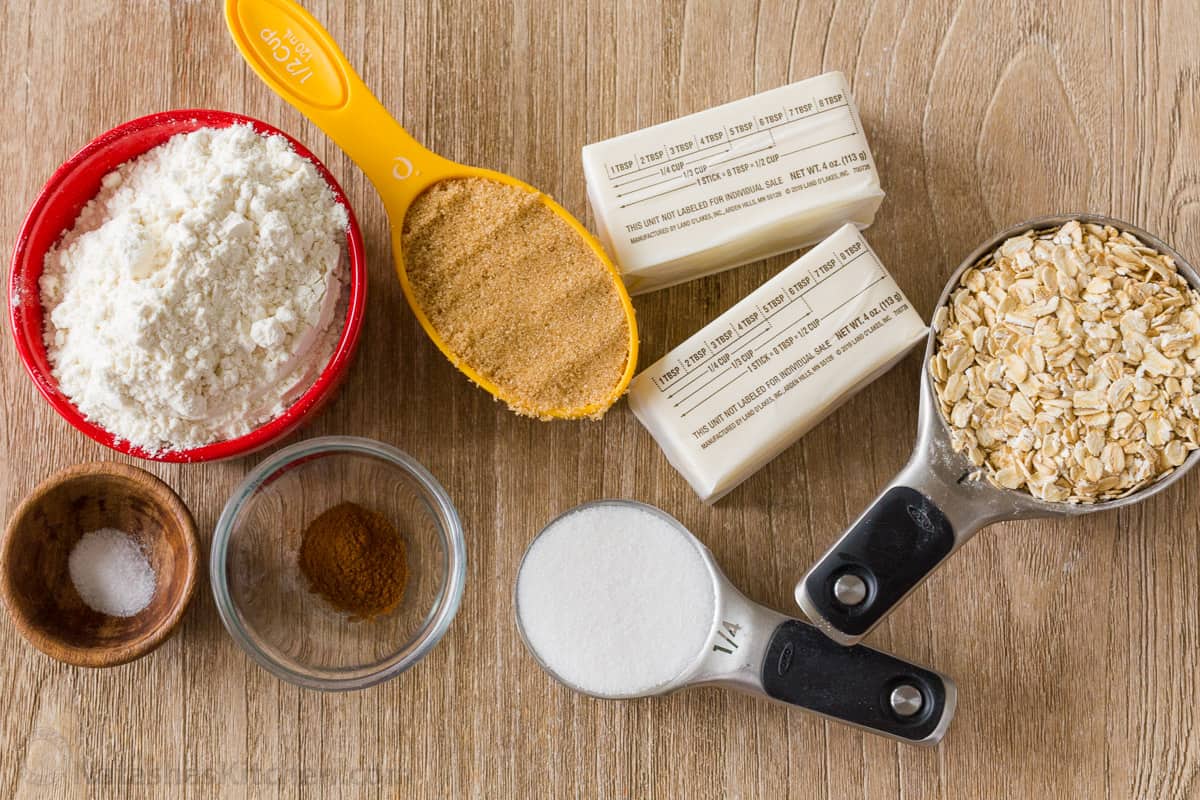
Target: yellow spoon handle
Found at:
x=298, y=58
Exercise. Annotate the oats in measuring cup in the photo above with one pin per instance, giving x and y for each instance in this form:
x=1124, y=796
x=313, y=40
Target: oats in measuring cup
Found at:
x=1066, y=364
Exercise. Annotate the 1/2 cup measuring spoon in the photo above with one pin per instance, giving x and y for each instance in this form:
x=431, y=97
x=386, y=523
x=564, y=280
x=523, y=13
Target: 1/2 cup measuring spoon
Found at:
x=617, y=599
x=297, y=58
x=936, y=503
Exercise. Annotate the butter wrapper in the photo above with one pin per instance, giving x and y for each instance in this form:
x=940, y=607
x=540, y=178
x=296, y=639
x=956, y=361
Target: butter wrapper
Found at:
x=753, y=381
x=734, y=184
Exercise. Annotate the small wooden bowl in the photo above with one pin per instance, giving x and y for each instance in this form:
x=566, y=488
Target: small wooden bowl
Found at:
x=36, y=582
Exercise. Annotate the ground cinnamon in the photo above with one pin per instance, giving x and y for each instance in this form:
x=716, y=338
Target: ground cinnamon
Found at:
x=354, y=558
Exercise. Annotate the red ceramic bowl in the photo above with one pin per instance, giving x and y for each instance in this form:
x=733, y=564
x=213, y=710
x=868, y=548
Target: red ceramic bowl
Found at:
x=54, y=212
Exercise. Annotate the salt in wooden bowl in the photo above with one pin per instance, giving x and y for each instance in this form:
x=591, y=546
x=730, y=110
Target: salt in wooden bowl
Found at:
x=35, y=579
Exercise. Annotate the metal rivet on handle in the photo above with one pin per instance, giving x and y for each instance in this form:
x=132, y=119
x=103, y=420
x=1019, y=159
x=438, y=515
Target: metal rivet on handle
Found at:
x=850, y=590
x=906, y=700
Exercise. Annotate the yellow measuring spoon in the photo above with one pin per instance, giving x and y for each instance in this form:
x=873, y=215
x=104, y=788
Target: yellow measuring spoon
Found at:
x=297, y=58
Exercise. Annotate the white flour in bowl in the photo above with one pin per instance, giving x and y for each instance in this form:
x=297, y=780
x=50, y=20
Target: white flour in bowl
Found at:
x=196, y=296
x=615, y=600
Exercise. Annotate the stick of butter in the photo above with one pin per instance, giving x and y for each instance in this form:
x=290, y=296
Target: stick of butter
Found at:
x=761, y=375
x=734, y=184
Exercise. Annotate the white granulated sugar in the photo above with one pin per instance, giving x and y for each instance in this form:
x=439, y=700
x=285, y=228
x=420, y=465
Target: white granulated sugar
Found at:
x=111, y=573
x=195, y=297
x=615, y=600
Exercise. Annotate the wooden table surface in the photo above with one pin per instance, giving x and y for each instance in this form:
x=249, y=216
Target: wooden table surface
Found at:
x=1074, y=643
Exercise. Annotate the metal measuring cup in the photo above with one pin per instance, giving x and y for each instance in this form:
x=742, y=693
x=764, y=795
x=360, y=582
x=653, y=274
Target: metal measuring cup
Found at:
x=759, y=651
x=937, y=502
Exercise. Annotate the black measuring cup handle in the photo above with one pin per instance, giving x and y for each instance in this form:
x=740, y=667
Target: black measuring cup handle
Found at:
x=889, y=551
x=858, y=685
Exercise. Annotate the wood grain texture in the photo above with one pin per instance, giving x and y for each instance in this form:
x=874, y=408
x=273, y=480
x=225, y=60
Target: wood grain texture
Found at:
x=1074, y=644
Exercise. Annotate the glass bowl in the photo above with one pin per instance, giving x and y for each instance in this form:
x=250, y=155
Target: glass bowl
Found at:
x=265, y=601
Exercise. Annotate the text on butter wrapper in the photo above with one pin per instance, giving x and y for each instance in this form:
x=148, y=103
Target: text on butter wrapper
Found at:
x=760, y=376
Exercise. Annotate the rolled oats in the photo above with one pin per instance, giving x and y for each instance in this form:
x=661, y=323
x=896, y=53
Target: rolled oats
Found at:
x=1066, y=364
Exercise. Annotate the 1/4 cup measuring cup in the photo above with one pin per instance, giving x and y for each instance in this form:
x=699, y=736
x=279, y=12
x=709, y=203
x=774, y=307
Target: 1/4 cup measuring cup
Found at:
x=298, y=58
x=737, y=643
x=936, y=503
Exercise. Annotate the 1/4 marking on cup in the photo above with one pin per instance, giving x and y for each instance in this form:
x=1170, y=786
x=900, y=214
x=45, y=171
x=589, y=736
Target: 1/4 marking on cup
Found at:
x=728, y=632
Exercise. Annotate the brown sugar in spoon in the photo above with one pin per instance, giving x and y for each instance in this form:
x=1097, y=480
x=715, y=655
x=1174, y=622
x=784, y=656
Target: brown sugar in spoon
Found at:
x=508, y=285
